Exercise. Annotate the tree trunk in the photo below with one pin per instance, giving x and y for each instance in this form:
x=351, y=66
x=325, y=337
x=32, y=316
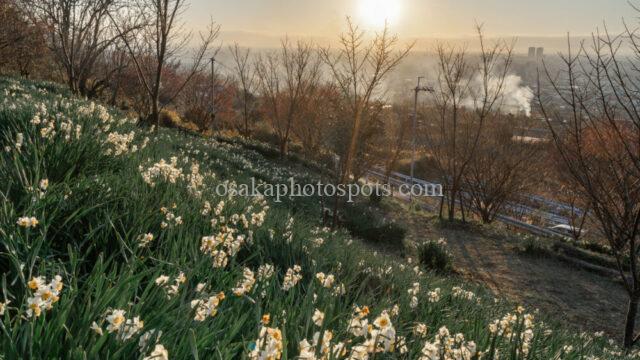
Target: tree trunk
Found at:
x=284, y=148
x=245, y=115
x=353, y=146
x=630, y=322
x=486, y=216
x=452, y=205
x=154, y=117
x=82, y=87
x=464, y=217
x=72, y=83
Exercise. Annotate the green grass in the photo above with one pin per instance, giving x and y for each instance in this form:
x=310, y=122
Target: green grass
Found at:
x=98, y=204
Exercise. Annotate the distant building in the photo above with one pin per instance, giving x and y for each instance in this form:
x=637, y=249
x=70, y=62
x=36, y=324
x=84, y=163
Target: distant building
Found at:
x=532, y=52
x=540, y=52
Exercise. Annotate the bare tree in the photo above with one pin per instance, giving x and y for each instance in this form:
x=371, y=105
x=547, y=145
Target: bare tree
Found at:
x=79, y=33
x=397, y=131
x=22, y=43
x=598, y=139
x=120, y=62
x=578, y=213
x=285, y=79
x=503, y=167
x=161, y=41
x=371, y=149
x=195, y=102
x=466, y=96
x=318, y=113
x=454, y=77
x=7, y=17
x=359, y=69
x=246, y=78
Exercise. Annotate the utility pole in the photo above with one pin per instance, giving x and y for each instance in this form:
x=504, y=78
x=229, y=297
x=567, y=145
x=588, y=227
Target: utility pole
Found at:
x=414, y=125
x=213, y=90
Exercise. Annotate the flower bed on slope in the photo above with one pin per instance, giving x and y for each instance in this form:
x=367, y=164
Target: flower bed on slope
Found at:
x=115, y=245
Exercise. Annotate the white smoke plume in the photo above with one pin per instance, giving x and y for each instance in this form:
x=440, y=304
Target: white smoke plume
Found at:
x=515, y=99
x=516, y=96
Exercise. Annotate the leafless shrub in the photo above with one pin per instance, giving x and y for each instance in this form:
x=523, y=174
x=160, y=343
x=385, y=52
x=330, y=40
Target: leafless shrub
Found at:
x=286, y=79
x=78, y=34
x=22, y=43
x=160, y=41
x=504, y=166
x=245, y=77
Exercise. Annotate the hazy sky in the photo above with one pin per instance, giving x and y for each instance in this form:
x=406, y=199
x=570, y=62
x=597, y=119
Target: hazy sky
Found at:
x=409, y=18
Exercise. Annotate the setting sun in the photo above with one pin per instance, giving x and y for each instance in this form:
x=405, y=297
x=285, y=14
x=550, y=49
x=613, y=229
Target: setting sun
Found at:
x=376, y=12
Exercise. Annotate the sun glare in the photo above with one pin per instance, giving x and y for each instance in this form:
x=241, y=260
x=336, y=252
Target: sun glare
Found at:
x=376, y=12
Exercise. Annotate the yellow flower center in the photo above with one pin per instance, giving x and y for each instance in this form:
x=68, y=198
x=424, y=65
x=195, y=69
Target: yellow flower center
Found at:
x=36, y=309
x=276, y=335
x=33, y=284
x=118, y=320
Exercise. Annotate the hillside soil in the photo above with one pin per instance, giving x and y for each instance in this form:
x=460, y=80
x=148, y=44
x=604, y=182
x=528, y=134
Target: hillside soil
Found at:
x=584, y=300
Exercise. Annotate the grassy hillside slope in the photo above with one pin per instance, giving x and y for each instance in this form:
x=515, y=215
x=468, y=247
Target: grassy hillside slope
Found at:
x=115, y=245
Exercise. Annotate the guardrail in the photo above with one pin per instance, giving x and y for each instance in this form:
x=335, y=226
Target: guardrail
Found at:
x=398, y=179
